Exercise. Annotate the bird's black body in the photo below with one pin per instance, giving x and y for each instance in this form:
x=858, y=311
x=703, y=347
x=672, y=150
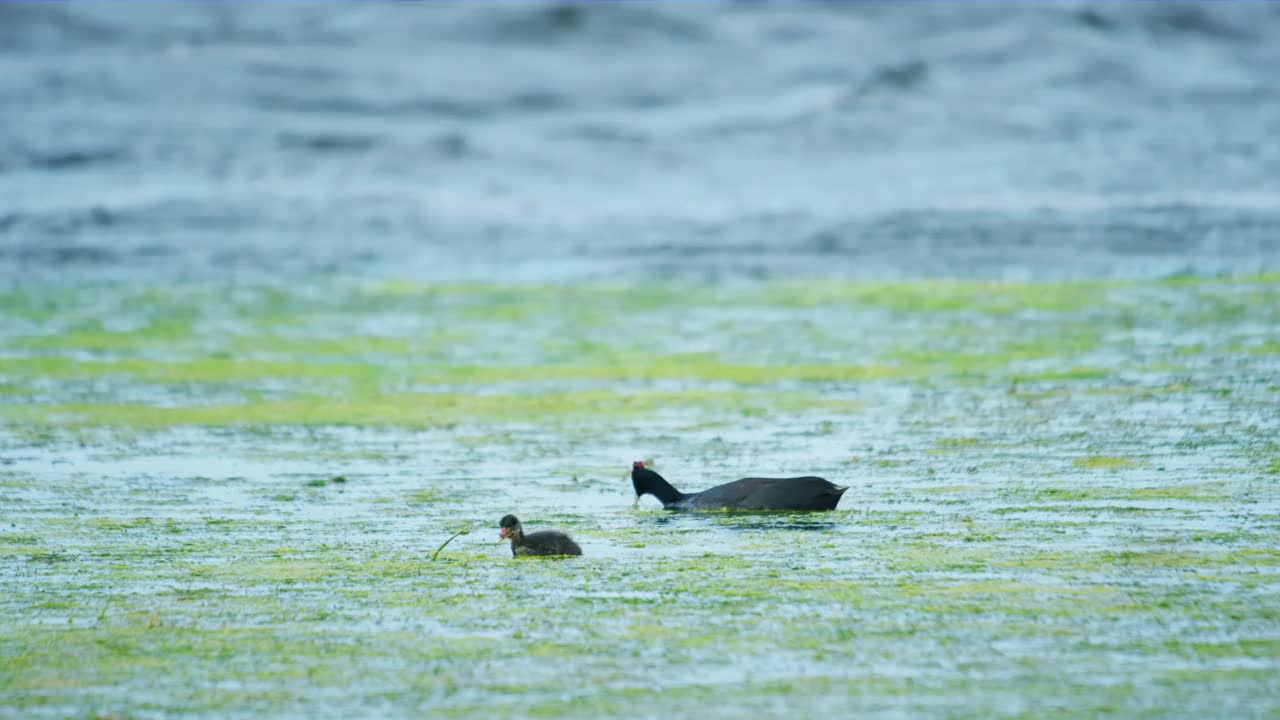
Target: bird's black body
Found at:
x=543, y=542
x=762, y=494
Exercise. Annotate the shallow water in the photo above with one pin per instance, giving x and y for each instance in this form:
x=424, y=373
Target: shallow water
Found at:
x=229, y=508
x=291, y=293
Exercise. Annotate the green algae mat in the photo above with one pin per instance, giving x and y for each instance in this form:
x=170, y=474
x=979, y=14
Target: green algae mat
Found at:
x=223, y=500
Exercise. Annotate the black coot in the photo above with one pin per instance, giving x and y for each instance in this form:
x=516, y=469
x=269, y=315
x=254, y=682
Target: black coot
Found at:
x=798, y=493
x=543, y=542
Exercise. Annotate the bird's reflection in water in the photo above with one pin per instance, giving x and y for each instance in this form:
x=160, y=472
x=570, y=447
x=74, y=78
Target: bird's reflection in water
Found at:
x=744, y=520
x=775, y=521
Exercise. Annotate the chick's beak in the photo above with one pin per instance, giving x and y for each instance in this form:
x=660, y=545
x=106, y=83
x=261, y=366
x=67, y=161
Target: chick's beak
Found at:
x=502, y=535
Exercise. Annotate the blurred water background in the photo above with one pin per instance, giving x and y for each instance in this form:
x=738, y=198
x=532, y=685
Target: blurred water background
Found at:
x=529, y=140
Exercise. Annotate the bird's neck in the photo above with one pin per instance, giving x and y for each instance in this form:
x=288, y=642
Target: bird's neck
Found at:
x=661, y=489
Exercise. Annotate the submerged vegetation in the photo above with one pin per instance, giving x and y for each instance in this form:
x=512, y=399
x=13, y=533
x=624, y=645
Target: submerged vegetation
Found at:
x=226, y=500
x=405, y=354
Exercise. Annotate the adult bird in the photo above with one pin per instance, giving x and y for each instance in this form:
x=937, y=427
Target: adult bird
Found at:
x=753, y=493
